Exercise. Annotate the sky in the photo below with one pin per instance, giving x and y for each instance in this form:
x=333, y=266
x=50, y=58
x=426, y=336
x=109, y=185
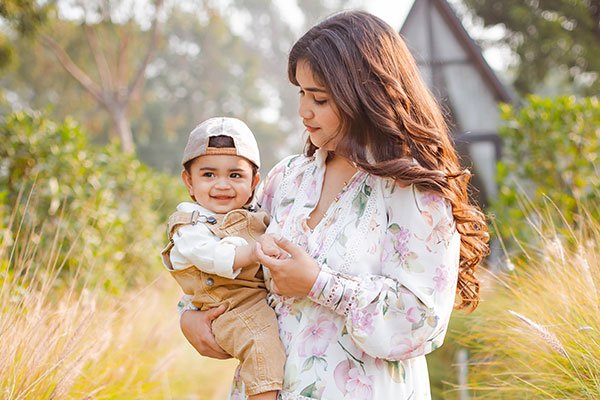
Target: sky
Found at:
x=394, y=12
x=391, y=11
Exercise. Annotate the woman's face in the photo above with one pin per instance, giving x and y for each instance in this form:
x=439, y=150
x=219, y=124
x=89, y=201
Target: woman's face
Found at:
x=318, y=111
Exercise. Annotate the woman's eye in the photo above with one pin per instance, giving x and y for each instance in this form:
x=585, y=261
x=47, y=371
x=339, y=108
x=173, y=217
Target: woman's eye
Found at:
x=301, y=93
x=320, y=102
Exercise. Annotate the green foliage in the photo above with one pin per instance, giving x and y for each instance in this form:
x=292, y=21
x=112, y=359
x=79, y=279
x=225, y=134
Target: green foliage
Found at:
x=550, y=38
x=22, y=17
x=551, y=155
x=110, y=207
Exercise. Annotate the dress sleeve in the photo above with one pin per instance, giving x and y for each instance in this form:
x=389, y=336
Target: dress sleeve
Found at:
x=404, y=312
x=196, y=245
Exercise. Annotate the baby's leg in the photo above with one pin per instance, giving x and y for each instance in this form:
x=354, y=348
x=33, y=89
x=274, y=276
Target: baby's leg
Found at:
x=251, y=335
x=272, y=395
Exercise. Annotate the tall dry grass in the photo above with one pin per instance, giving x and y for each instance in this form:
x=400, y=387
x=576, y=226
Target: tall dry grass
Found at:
x=72, y=341
x=537, y=335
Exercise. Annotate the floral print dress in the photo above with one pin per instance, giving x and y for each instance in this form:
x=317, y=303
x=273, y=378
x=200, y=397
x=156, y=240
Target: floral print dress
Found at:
x=389, y=262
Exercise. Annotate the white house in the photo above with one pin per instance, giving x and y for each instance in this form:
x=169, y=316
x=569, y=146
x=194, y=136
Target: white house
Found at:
x=458, y=75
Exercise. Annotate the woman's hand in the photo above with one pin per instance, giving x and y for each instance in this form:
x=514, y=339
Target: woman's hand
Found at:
x=293, y=276
x=196, y=327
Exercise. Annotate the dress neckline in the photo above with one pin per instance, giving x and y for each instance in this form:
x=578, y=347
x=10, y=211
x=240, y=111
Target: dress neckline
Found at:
x=334, y=205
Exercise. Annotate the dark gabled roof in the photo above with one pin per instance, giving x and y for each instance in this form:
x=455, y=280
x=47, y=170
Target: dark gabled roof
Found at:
x=473, y=50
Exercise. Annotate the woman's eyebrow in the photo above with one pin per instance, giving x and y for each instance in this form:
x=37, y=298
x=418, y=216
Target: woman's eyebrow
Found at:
x=314, y=89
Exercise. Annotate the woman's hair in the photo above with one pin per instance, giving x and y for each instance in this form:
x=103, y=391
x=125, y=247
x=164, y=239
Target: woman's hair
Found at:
x=389, y=119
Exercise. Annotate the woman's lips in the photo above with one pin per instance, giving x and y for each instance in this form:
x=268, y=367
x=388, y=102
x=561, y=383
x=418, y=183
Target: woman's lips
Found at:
x=311, y=129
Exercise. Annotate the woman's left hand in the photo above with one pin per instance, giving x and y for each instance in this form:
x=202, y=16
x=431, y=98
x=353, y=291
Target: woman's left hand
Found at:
x=293, y=276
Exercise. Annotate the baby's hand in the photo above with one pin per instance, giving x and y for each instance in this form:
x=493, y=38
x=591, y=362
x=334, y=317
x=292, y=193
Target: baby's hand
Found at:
x=270, y=248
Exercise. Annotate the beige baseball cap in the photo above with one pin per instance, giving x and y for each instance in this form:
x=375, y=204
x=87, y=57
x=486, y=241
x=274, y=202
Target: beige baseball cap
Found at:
x=243, y=139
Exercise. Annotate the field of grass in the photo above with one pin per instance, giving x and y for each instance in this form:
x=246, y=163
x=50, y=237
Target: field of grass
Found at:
x=64, y=341
x=537, y=336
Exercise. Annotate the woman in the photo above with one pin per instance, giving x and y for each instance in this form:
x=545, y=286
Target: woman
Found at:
x=375, y=217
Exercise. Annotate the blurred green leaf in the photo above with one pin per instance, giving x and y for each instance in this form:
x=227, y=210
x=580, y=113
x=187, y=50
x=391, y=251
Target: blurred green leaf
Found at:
x=111, y=207
x=551, y=148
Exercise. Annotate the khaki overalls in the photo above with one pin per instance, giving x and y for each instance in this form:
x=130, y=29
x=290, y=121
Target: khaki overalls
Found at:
x=248, y=330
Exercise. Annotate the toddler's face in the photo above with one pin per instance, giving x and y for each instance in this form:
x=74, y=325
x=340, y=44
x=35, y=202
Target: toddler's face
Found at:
x=220, y=183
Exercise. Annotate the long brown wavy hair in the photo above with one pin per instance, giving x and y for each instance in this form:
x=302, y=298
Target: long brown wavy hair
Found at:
x=388, y=118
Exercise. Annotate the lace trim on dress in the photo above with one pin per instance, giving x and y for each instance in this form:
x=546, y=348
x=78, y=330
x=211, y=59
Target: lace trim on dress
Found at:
x=361, y=232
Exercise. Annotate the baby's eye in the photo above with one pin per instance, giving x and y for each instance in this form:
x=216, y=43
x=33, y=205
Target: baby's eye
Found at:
x=235, y=175
x=208, y=174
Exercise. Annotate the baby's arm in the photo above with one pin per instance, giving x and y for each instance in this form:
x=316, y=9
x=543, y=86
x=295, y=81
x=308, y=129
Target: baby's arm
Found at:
x=196, y=245
x=246, y=255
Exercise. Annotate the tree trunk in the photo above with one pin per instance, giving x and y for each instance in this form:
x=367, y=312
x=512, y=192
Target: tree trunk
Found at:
x=114, y=101
x=123, y=129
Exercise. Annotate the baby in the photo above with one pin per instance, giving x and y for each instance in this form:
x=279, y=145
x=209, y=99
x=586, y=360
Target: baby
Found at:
x=211, y=250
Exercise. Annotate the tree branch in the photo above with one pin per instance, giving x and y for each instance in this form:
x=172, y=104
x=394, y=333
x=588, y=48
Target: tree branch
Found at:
x=138, y=80
x=121, y=58
x=101, y=63
x=69, y=65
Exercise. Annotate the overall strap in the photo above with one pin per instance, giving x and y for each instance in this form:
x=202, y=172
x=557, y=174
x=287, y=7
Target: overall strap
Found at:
x=180, y=218
x=177, y=220
x=240, y=222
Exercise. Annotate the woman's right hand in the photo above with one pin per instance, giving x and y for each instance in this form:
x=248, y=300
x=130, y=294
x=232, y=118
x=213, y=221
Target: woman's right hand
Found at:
x=197, y=329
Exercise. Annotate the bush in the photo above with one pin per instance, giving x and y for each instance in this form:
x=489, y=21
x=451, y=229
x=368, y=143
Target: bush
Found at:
x=116, y=206
x=551, y=155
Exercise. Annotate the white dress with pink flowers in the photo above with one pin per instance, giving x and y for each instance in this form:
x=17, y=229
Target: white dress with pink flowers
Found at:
x=389, y=257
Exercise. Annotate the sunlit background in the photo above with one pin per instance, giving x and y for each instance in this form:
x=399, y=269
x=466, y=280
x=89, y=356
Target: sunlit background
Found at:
x=97, y=98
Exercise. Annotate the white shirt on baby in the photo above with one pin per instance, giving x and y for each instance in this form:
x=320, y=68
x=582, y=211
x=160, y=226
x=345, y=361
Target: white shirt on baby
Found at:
x=196, y=245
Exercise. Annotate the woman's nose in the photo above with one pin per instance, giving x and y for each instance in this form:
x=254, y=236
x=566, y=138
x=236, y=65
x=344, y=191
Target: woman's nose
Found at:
x=304, y=111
